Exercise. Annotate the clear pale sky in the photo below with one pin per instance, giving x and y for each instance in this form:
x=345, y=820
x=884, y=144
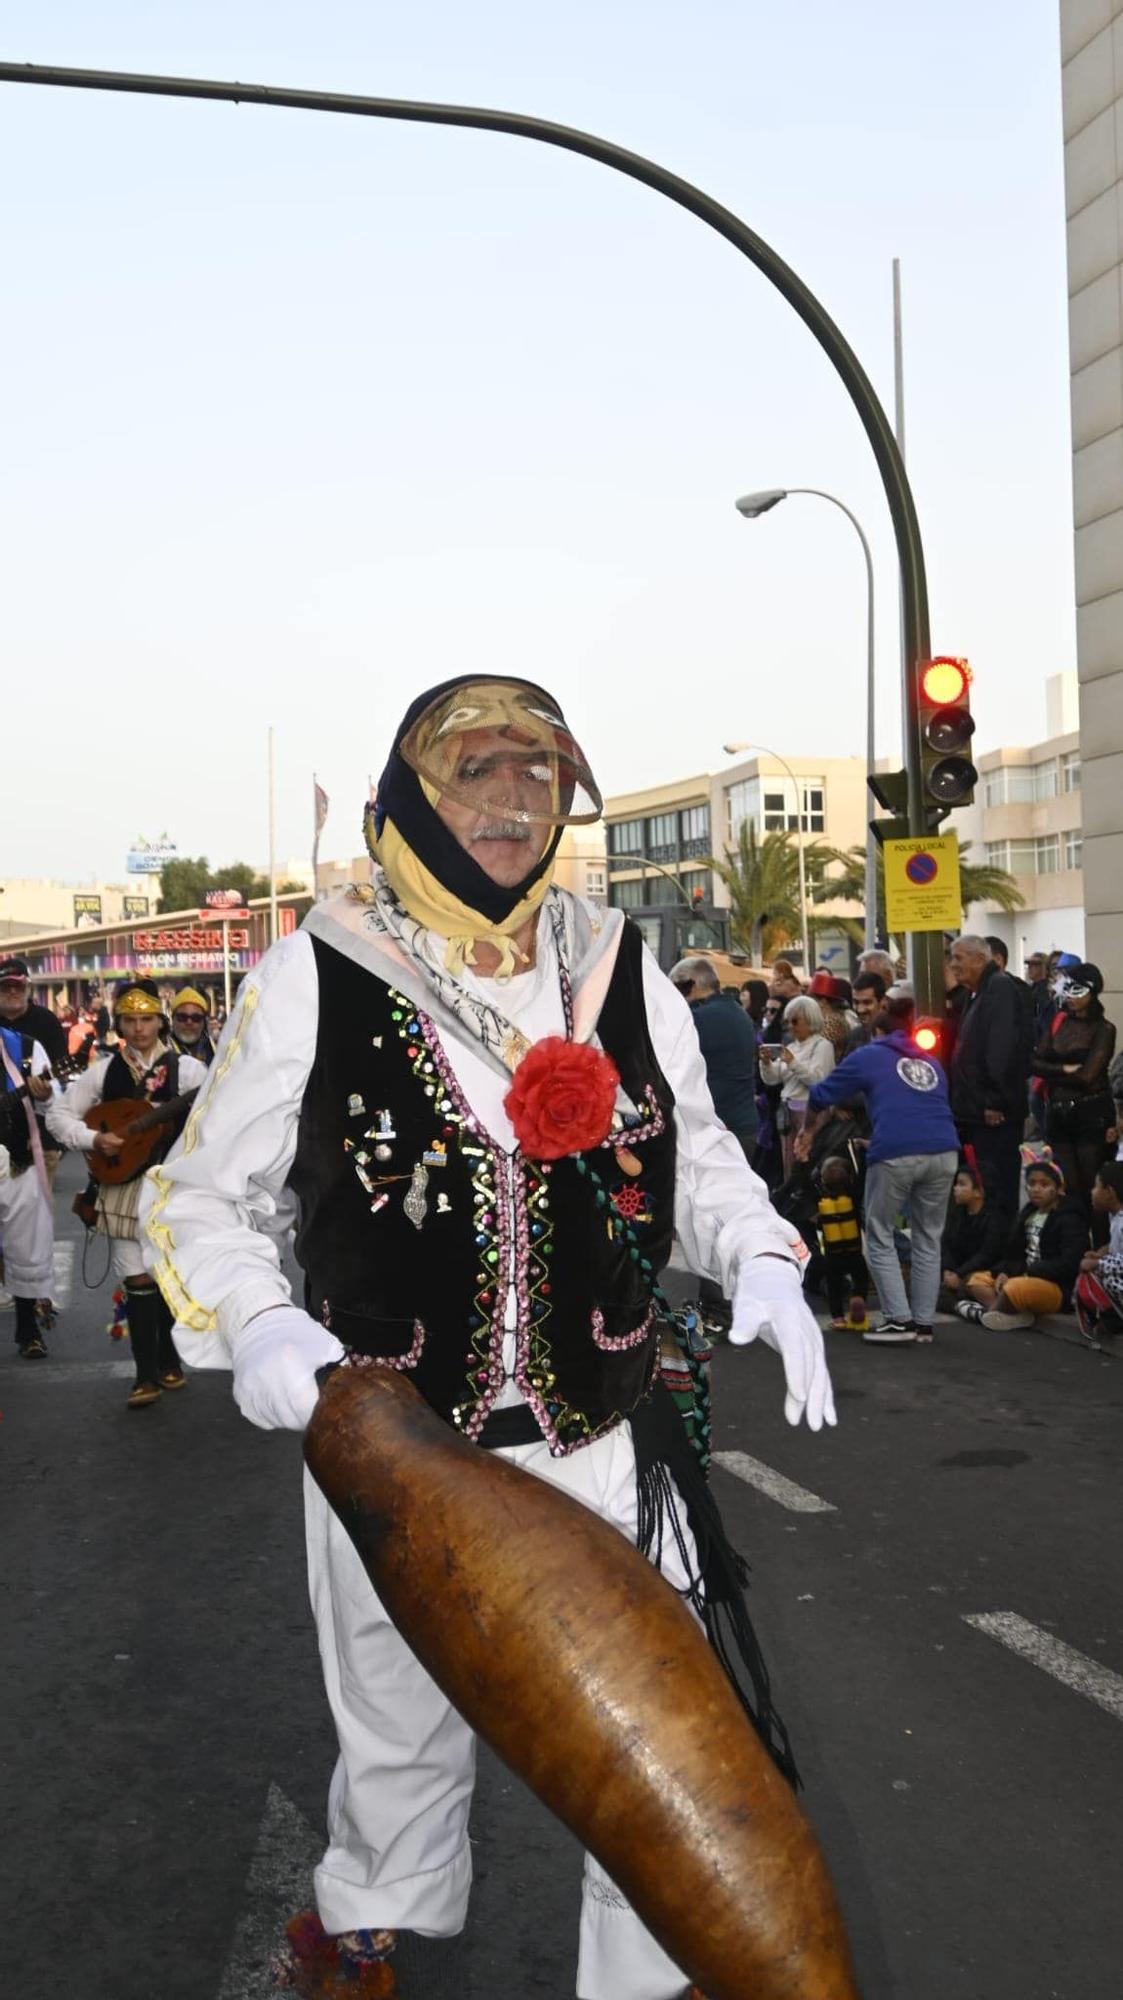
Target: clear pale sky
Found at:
x=304, y=413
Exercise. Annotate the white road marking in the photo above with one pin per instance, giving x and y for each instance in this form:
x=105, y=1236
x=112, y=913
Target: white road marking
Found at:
x=1075, y=1670
x=56, y=1370
x=278, y=1885
x=62, y=1282
x=785, y=1492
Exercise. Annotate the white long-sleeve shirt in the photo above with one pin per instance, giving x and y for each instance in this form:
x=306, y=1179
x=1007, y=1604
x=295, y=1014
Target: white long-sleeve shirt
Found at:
x=207, y=1210
x=811, y=1061
x=66, y=1113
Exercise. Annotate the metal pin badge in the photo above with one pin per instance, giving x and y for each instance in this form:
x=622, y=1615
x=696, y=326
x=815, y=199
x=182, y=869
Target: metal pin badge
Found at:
x=415, y=1204
x=444, y=1206
x=355, y=1105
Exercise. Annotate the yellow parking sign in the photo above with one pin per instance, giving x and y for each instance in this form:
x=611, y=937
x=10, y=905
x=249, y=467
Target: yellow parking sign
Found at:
x=922, y=884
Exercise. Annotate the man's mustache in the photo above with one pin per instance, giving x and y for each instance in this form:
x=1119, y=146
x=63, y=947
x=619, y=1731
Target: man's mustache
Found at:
x=502, y=829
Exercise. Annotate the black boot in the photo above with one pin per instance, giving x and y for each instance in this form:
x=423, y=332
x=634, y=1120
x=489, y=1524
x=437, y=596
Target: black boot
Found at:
x=171, y=1375
x=28, y=1337
x=142, y=1306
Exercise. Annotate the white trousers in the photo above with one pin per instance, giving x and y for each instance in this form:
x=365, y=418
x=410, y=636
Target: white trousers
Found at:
x=398, y=1856
x=27, y=1227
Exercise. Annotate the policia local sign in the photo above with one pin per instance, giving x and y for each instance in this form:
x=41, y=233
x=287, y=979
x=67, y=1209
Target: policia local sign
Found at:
x=922, y=884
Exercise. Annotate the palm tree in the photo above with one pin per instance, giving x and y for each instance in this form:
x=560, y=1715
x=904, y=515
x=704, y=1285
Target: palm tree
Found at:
x=979, y=882
x=762, y=877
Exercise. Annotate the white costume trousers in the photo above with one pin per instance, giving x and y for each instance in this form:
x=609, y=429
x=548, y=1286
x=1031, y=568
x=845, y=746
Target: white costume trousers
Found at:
x=398, y=1807
x=27, y=1227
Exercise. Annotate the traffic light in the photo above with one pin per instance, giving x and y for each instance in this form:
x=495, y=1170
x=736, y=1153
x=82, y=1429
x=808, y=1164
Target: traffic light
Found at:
x=946, y=729
x=928, y=1036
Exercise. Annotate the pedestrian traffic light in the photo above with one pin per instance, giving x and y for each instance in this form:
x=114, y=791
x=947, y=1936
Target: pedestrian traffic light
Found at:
x=946, y=729
x=928, y=1036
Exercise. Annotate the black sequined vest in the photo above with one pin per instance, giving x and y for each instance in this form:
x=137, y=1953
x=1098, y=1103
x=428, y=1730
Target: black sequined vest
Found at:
x=414, y=1223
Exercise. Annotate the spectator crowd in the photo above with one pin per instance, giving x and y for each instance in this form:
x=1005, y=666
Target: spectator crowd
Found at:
x=976, y=1171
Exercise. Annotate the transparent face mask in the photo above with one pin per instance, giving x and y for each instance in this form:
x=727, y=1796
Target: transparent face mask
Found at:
x=503, y=751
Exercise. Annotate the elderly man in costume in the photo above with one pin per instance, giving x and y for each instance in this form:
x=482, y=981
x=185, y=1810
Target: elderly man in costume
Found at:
x=190, y=1012
x=491, y=1106
x=148, y=1071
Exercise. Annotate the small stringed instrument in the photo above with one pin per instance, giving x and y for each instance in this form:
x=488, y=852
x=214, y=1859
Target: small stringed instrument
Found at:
x=137, y=1124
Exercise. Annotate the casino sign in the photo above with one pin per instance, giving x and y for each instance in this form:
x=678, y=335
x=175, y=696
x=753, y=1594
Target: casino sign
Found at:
x=65, y=965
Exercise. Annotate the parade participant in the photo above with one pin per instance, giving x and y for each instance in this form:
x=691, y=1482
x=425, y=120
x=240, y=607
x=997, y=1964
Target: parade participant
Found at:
x=487, y=1195
x=26, y=1215
x=19, y=1011
x=147, y=1070
x=189, y=1025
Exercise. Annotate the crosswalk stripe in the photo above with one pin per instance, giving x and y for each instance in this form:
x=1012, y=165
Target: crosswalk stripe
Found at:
x=785, y=1492
x=1073, y=1669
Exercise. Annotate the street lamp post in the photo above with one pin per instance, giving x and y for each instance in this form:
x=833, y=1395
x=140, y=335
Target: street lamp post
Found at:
x=733, y=750
x=752, y=506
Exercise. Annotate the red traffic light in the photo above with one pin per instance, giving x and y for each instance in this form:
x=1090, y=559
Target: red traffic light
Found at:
x=944, y=681
x=927, y=1037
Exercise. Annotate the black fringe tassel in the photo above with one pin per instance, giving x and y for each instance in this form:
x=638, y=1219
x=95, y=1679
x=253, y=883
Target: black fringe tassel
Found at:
x=665, y=1461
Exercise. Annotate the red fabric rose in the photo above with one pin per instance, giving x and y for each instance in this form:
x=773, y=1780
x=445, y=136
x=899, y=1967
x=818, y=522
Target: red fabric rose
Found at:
x=562, y=1098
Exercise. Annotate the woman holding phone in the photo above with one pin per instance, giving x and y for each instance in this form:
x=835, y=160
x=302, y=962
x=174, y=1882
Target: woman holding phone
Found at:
x=796, y=1066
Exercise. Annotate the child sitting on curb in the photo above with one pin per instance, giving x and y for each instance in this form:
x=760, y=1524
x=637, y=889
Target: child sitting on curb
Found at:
x=1041, y=1260
x=1098, y=1293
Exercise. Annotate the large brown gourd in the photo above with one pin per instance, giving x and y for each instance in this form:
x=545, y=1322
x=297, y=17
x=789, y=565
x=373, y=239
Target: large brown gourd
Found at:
x=566, y=1650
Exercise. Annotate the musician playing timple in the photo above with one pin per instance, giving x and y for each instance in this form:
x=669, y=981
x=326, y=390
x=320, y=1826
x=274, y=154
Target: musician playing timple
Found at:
x=492, y=1108
x=145, y=1068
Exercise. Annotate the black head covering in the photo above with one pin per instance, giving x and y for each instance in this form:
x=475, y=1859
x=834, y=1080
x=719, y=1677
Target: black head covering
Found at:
x=401, y=798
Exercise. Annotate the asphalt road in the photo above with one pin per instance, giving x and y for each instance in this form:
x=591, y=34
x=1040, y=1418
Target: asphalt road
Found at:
x=164, y=1748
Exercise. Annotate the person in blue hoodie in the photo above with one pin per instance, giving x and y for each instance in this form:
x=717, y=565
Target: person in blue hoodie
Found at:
x=913, y=1154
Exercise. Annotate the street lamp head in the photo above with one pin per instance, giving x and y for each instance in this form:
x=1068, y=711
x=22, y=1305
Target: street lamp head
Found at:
x=731, y=749
x=752, y=505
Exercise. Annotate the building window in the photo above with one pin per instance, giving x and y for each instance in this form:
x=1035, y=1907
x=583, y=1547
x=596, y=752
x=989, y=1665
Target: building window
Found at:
x=1045, y=780
x=1070, y=771
x=1023, y=857
x=694, y=823
x=814, y=808
x=742, y=803
x=775, y=818
x=695, y=880
x=1074, y=850
x=662, y=836
x=594, y=882
x=1048, y=854
x=626, y=895
x=997, y=853
x=1011, y=784
x=625, y=836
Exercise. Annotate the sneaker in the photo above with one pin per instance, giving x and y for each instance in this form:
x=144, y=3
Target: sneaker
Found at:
x=1006, y=1322
x=6, y=1302
x=923, y=1334
x=33, y=1350
x=891, y=1332
x=970, y=1309
x=172, y=1378
x=142, y=1394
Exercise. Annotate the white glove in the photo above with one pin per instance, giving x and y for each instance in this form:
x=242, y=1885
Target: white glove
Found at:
x=276, y=1356
x=769, y=1302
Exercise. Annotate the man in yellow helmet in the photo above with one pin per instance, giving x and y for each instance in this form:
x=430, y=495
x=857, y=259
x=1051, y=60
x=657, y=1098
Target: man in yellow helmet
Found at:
x=189, y=1025
x=145, y=1068
x=492, y=1108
